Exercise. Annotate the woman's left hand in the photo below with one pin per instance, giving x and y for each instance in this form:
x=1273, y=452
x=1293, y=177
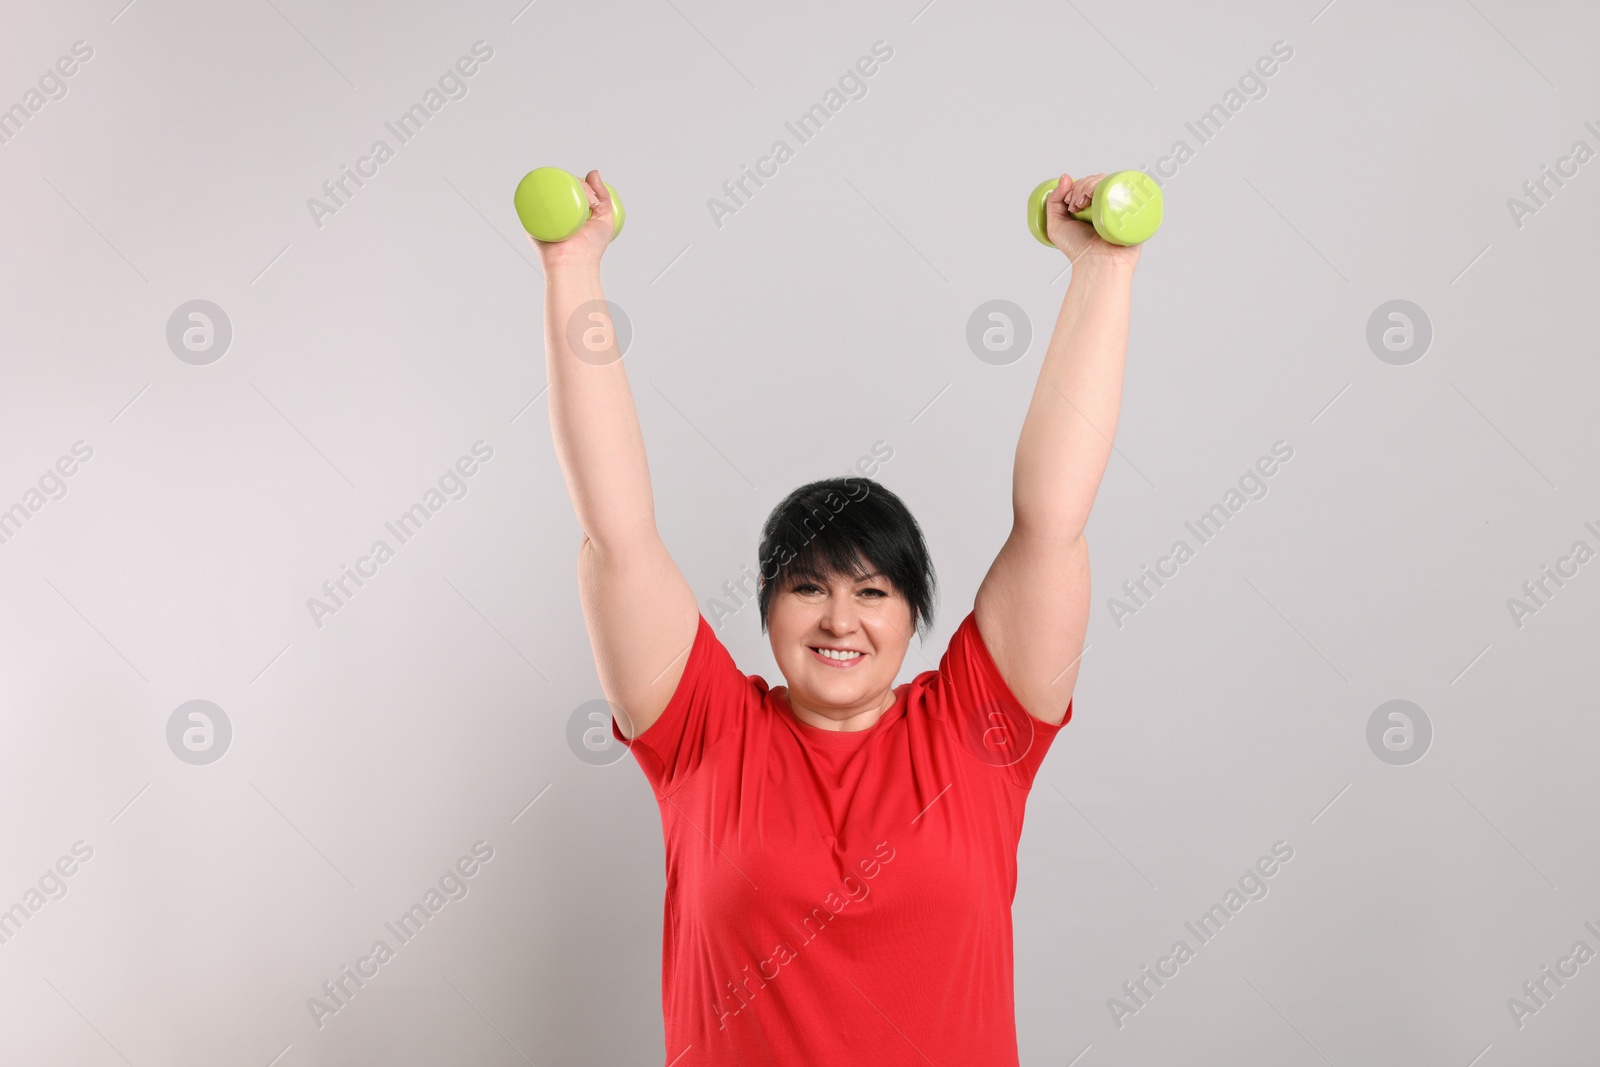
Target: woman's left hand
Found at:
x=1072, y=236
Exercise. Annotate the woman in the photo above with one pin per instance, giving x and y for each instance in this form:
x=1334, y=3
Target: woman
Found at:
x=840, y=852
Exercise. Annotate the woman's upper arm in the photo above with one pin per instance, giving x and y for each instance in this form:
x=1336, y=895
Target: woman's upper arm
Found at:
x=642, y=620
x=1033, y=613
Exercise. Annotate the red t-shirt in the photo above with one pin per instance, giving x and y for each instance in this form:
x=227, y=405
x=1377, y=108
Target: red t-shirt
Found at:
x=841, y=898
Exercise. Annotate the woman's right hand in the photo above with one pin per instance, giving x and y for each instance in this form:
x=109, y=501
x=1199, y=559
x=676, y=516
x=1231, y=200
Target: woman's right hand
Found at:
x=589, y=243
x=1076, y=237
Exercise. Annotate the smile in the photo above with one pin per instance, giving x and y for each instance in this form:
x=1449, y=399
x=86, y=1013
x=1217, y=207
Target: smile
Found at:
x=835, y=658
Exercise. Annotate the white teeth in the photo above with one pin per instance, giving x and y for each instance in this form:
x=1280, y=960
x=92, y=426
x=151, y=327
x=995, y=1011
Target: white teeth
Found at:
x=831, y=654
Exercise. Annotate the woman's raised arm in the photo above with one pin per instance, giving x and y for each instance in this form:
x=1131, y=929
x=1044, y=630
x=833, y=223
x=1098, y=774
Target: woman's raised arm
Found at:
x=641, y=613
x=1033, y=606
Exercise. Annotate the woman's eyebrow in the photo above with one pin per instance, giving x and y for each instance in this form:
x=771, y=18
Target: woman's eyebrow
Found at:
x=873, y=576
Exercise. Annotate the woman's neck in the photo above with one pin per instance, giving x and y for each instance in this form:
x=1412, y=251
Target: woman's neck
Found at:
x=846, y=723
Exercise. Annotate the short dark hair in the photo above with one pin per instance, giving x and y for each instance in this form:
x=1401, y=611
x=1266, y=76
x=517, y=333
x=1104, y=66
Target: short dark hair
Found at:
x=847, y=526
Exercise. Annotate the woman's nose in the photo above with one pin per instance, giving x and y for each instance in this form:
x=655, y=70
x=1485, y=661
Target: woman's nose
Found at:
x=840, y=616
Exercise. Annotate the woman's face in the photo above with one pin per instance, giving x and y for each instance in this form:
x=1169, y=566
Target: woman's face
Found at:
x=864, y=615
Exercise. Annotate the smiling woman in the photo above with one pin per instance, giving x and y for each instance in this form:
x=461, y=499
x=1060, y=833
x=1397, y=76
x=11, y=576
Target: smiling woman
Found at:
x=773, y=797
x=870, y=552
x=868, y=523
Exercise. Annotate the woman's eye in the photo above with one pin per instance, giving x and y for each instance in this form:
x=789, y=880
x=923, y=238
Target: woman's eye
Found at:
x=807, y=588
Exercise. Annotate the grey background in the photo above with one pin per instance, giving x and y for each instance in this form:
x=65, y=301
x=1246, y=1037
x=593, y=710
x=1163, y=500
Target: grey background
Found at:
x=431, y=712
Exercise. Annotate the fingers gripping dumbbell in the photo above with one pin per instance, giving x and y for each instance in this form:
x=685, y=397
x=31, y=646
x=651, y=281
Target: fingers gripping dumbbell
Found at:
x=1125, y=208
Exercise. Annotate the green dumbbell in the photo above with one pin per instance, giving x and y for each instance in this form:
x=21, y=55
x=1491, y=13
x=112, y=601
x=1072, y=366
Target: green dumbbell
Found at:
x=1125, y=208
x=553, y=205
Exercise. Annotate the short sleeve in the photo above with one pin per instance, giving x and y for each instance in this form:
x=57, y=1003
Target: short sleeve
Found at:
x=713, y=702
x=969, y=693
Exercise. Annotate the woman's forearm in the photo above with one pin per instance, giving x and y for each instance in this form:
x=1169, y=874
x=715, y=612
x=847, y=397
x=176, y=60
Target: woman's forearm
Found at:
x=592, y=418
x=1072, y=418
